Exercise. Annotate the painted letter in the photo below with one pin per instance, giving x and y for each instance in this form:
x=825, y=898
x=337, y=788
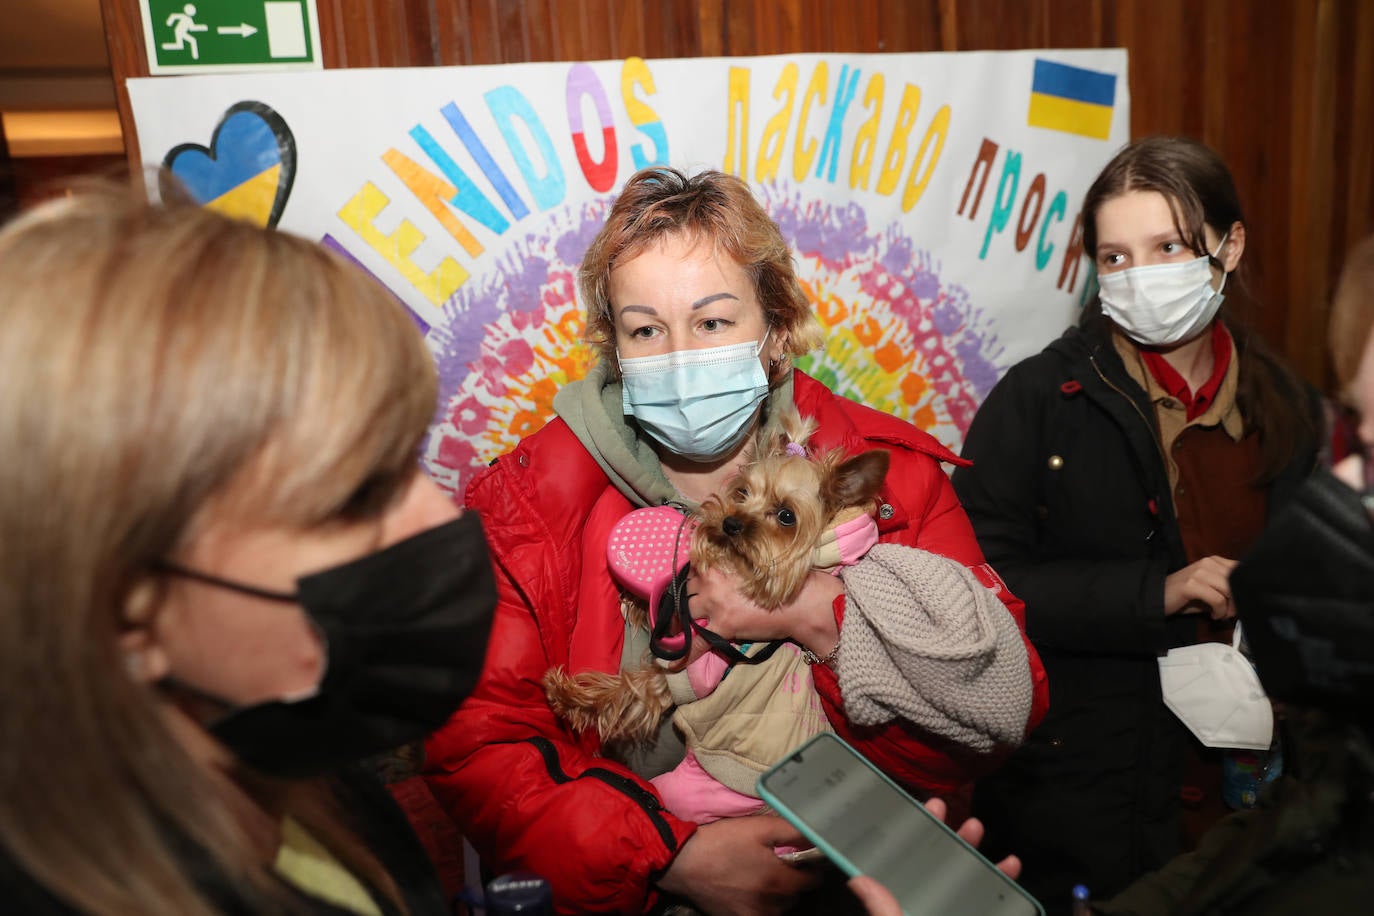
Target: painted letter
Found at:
x=986, y=154
x=1006, y=196
x=834, y=131
x=466, y=196
x=636, y=72
x=488, y=165
x=582, y=81
x=737, y=124
x=507, y=104
x=939, y=129
x=1025, y=227
x=775, y=131
x=433, y=192
x=896, y=147
x=1044, y=252
x=805, y=150
x=866, y=140
x=396, y=248
x=1073, y=254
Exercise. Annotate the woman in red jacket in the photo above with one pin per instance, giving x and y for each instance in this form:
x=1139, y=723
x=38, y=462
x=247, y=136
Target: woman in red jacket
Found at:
x=689, y=288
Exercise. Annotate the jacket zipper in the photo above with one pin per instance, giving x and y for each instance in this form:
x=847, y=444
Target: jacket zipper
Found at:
x=1135, y=844
x=638, y=795
x=1134, y=406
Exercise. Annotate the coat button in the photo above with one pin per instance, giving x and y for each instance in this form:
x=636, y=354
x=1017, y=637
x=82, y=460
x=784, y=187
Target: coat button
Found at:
x=524, y=461
x=885, y=511
x=1055, y=462
x=1056, y=742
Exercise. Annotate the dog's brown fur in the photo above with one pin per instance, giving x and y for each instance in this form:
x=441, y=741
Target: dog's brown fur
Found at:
x=625, y=707
x=778, y=506
x=771, y=515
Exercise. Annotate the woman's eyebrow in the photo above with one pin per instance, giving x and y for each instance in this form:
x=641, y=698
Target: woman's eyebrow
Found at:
x=1169, y=236
x=704, y=301
x=712, y=298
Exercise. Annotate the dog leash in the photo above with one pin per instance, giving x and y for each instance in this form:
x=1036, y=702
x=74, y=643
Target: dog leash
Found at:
x=679, y=600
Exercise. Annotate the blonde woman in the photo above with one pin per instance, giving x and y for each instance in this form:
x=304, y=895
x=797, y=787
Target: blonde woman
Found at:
x=224, y=580
x=696, y=312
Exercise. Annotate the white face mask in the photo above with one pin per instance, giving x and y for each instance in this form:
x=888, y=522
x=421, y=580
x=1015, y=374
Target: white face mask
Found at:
x=1162, y=304
x=1214, y=689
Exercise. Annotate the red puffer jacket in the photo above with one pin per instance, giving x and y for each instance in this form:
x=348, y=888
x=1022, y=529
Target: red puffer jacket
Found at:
x=528, y=793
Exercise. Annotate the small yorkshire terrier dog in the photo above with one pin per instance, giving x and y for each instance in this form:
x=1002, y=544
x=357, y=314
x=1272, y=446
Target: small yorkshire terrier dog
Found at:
x=773, y=523
x=777, y=510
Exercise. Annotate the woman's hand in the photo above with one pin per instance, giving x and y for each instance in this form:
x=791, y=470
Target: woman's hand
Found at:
x=1201, y=586
x=809, y=618
x=878, y=900
x=730, y=866
x=875, y=896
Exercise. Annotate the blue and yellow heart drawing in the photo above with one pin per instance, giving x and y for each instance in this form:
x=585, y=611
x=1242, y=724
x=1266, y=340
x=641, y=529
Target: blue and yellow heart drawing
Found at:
x=246, y=171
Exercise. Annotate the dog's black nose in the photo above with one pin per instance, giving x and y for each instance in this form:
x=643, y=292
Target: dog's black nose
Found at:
x=732, y=525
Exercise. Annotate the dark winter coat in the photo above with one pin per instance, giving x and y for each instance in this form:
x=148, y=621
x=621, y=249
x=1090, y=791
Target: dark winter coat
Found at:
x=1307, y=848
x=1070, y=498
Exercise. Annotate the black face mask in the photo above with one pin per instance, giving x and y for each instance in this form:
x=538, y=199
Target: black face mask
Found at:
x=1305, y=593
x=406, y=633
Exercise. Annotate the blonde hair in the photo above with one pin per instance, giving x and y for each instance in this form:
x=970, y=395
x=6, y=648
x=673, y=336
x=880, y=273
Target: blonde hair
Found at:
x=1352, y=313
x=660, y=202
x=161, y=360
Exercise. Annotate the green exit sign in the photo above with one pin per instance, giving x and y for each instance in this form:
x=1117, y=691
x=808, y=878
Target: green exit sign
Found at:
x=208, y=36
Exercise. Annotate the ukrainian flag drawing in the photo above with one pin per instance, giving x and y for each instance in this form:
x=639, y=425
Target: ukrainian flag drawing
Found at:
x=248, y=168
x=1072, y=99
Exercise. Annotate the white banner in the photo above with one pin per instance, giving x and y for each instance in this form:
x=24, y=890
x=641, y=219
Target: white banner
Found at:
x=932, y=202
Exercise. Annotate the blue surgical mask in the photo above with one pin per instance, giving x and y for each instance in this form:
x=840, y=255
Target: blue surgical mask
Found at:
x=696, y=403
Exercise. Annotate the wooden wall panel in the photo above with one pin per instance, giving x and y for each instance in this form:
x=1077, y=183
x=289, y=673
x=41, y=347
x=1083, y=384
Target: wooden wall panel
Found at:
x=1358, y=138
x=1310, y=200
x=124, y=42
x=990, y=25
x=1075, y=23
x=1284, y=90
x=1249, y=118
x=546, y=39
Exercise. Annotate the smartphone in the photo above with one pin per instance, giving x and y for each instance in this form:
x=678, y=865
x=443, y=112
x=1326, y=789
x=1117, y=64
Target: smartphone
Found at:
x=868, y=826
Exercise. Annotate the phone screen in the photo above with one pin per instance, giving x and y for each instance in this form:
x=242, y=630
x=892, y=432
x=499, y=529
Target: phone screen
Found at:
x=870, y=826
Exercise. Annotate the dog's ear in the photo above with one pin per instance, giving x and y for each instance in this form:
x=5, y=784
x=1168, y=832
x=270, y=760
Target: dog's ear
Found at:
x=856, y=480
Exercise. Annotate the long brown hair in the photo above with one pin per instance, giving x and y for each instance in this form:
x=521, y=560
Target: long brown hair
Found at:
x=160, y=361
x=711, y=206
x=1275, y=403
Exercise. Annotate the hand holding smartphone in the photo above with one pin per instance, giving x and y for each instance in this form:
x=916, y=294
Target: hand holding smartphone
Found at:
x=867, y=825
x=803, y=856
